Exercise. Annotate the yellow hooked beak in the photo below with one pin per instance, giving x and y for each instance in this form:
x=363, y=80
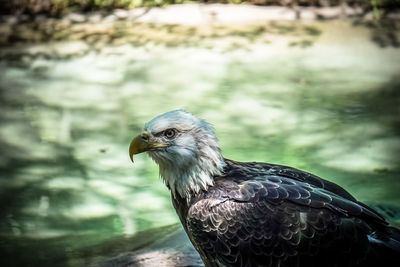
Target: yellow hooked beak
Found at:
x=142, y=143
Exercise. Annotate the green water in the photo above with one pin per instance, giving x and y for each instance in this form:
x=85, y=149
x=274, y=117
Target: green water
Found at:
x=327, y=102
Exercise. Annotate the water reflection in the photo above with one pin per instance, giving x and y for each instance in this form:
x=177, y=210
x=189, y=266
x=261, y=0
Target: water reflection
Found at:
x=330, y=107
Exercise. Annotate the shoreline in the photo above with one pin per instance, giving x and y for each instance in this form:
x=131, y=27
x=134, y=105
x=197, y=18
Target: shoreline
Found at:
x=214, y=26
x=202, y=14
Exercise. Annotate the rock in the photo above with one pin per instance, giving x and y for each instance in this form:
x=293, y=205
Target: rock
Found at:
x=368, y=16
x=62, y=24
x=328, y=13
x=121, y=13
x=95, y=17
x=5, y=32
x=47, y=50
x=337, y=12
x=76, y=17
x=10, y=19
x=70, y=48
x=394, y=14
x=40, y=18
x=23, y=18
x=133, y=14
x=24, y=33
x=110, y=18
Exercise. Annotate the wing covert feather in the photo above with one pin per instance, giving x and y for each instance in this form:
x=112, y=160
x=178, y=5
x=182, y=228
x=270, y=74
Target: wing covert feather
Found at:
x=271, y=219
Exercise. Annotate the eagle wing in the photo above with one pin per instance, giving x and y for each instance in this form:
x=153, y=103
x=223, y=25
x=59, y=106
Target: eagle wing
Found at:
x=271, y=218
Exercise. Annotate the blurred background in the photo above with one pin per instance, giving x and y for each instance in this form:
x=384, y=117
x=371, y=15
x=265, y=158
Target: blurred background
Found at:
x=314, y=84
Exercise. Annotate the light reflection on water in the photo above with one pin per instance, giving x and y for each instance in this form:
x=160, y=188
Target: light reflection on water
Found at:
x=66, y=179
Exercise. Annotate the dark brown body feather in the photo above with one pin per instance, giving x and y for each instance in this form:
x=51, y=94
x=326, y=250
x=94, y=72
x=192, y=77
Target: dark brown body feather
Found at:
x=260, y=214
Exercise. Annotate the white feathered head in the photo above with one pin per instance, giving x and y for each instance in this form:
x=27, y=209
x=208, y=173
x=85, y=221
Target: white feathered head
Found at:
x=185, y=148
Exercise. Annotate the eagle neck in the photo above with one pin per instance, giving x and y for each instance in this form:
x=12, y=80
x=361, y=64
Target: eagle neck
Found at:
x=188, y=181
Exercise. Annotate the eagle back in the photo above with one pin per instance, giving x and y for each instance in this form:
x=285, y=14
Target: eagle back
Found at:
x=260, y=214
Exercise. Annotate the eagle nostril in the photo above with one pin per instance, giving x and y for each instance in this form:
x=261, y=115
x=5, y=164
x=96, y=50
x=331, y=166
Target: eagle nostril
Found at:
x=145, y=137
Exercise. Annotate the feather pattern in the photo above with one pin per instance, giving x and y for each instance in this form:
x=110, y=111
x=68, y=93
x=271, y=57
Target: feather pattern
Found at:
x=259, y=214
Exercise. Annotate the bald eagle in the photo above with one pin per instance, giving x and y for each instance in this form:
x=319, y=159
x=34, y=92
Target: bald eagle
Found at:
x=260, y=214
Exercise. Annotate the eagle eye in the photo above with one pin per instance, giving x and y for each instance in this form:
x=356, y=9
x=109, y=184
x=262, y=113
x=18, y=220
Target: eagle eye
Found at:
x=170, y=133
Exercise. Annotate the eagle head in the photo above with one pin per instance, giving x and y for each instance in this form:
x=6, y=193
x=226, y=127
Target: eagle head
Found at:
x=185, y=148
